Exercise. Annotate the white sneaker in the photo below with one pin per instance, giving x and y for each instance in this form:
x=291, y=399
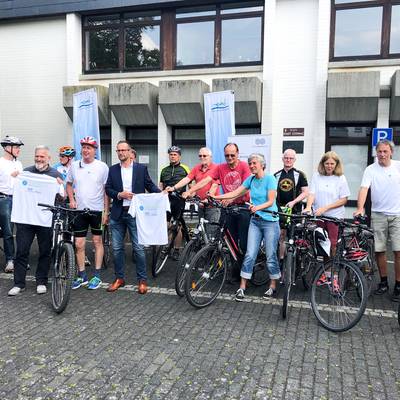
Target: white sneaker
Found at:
x=9, y=266
x=15, y=291
x=41, y=289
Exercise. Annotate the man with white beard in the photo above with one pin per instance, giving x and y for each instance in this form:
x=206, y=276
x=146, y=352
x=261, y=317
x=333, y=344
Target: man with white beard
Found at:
x=26, y=233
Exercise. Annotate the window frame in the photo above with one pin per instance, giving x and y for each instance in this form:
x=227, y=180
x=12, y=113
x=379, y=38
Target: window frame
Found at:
x=385, y=28
x=168, y=24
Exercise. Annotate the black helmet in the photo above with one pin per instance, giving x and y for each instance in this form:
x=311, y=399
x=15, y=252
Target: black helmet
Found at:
x=11, y=141
x=174, y=149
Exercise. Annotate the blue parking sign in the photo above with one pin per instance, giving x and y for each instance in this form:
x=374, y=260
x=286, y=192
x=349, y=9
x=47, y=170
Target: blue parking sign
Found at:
x=381, y=134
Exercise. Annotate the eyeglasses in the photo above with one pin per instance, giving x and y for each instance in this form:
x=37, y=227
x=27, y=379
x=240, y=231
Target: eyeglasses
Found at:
x=203, y=155
x=288, y=158
x=230, y=155
x=120, y=151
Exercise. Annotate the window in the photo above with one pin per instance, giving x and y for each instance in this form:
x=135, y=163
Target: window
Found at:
x=206, y=36
x=122, y=42
x=223, y=35
x=368, y=29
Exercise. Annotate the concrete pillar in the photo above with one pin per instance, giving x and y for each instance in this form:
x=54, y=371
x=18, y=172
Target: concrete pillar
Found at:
x=118, y=133
x=164, y=140
x=383, y=113
x=74, y=48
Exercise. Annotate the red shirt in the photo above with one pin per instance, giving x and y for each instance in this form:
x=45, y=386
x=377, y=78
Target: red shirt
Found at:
x=231, y=179
x=198, y=174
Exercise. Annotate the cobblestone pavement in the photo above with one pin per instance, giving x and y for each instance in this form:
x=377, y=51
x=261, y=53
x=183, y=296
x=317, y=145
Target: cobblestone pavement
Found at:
x=126, y=346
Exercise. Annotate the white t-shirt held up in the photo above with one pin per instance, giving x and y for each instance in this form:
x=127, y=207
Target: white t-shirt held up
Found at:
x=151, y=220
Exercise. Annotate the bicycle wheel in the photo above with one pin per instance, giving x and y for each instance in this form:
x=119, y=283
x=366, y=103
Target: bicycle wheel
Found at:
x=306, y=268
x=339, y=295
x=106, y=234
x=162, y=253
x=185, y=258
x=260, y=274
x=206, y=276
x=64, y=272
x=287, y=281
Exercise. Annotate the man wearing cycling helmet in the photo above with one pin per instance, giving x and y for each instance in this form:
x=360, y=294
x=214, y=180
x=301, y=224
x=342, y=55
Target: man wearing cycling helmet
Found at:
x=171, y=175
x=66, y=155
x=86, y=179
x=10, y=167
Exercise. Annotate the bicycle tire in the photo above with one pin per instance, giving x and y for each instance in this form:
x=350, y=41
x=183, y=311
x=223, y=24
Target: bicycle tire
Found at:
x=287, y=282
x=107, y=246
x=339, y=307
x=260, y=274
x=64, y=273
x=398, y=315
x=190, y=250
x=206, y=276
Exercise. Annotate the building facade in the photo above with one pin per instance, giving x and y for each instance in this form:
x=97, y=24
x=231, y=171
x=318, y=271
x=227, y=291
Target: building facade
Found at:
x=314, y=74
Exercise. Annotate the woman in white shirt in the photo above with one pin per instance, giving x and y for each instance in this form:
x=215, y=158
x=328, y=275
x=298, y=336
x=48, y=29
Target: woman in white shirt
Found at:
x=328, y=193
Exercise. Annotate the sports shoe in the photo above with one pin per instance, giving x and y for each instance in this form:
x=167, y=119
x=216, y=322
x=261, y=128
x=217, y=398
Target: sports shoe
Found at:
x=94, y=283
x=15, y=291
x=383, y=287
x=396, y=294
x=269, y=293
x=239, y=296
x=78, y=282
x=9, y=267
x=41, y=289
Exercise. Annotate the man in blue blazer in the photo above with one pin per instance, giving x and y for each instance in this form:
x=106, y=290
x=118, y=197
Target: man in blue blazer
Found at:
x=126, y=179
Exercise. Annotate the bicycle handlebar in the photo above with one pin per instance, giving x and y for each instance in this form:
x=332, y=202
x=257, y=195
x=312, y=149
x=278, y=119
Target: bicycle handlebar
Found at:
x=54, y=208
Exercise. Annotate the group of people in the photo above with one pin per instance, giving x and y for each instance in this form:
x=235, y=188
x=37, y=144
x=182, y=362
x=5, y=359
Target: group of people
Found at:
x=90, y=184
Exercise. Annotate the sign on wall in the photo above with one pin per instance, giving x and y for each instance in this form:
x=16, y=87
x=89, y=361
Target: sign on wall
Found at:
x=293, y=131
x=249, y=144
x=381, y=134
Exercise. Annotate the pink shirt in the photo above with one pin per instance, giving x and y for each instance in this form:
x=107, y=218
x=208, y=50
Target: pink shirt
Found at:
x=198, y=174
x=231, y=179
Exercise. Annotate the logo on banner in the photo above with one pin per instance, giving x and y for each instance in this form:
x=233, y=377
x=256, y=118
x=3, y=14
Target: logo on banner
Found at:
x=219, y=106
x=260, y=142
x=85, y=103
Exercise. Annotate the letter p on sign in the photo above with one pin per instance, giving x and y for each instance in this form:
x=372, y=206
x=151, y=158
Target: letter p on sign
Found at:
x=381, y=134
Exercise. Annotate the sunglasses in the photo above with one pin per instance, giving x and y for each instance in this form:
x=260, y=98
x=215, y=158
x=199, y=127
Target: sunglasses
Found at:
x=230, y=155
x=203, y=155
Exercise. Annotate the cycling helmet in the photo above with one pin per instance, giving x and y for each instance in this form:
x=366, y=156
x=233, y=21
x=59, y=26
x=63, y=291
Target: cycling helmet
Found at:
x=90, y=140
x=174, y=149
x=11, y=141
x=322, y=242
x=66, y=151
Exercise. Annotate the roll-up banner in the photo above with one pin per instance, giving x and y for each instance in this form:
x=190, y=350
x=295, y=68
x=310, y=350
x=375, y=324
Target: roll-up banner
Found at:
x=219, y=111
x=86, y=119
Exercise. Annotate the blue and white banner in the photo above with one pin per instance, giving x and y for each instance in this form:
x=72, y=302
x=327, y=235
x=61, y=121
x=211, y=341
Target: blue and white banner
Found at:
x=219, y=110
x=86, y=119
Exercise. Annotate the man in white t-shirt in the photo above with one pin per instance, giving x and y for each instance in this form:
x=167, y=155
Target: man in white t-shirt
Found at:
x=86, y=179
x=10, y=167
x=383, y=178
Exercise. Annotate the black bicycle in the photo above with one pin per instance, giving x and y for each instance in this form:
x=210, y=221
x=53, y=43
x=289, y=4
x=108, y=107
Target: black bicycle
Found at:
x=209, y=268
x=62, y=254
x=107, y=244
x=176, y=226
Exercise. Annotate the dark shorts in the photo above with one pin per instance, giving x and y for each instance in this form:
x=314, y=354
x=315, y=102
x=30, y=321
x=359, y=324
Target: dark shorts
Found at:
x=83, y=221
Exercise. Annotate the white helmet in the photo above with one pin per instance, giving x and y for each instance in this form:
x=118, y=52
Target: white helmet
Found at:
x=11, y=141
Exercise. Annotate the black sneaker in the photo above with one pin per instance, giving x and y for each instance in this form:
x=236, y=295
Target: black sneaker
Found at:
x=396, y=294
x=269, y=293
x=239, y=296
x=383, y=287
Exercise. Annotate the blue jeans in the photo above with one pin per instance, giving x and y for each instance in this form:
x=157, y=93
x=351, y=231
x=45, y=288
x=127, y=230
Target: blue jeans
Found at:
x=6, y=227
x=118, y=231
x=260, y=229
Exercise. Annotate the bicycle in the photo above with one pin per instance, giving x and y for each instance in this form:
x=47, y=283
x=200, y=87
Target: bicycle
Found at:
x=207, y=272
x=198, y=239
x=107, y=244
x=175, y=226
x=62, y=254
x=339, y=290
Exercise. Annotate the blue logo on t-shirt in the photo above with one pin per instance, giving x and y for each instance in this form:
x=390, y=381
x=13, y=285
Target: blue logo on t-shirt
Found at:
x=24, y=183
x=141, y=208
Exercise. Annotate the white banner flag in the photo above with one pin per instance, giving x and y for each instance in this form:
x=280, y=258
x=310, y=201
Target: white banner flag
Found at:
x=86, y=119
x=219, y=110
